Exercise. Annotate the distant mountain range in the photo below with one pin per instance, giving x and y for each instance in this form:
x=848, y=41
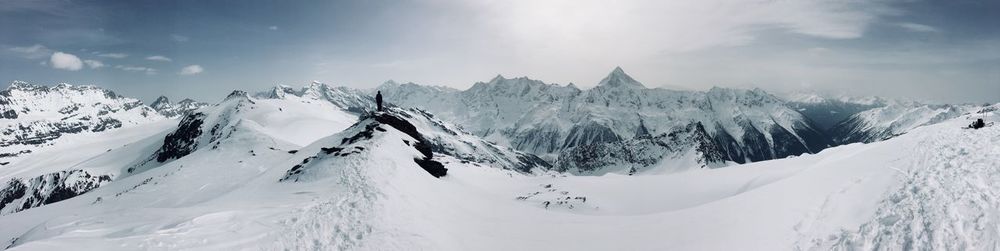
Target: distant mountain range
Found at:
x=622, y=126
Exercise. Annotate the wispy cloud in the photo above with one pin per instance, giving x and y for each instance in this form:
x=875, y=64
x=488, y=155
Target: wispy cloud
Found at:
x=159, y=58
x=147, y=70
x=915, y=27
x=274, y=28
x=32, y=52
x=113, y=55
x=65, y=61
x=191, y=70
x=179, y=38
x=93, y=64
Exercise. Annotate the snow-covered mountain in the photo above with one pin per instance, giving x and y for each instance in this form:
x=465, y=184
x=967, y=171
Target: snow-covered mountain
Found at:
x=353, y=100
x=881, y=123
x=257, y=125
x=180, y=109
x=828, y=110
x=620, y=125
x=262, y=125
x=34, y=116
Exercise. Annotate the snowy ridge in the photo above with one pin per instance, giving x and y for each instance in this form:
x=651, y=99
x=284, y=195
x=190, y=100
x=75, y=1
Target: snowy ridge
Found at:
x=238, y=118
x=35, y=116
x=432, y=135
x=885, y=122
x=266, y=117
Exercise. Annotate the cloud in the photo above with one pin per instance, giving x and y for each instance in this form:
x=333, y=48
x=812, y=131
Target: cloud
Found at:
x=93, y=64
x=159, y=58
x=191, y=70
x=274, y=28
x=147, y=70
x=32, y=52
x=113, y=55
x=65, y=61
x=646, y=27
x=179, y=38
x=915, y=27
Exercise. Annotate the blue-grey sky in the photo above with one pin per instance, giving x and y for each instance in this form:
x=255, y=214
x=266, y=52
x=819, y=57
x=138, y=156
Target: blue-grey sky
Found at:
x=946, y=51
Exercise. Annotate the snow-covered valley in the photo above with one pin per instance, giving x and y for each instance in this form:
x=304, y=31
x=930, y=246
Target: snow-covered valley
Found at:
x=315, y=168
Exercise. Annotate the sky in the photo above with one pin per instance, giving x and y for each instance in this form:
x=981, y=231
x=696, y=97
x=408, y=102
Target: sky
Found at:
x=936, y=51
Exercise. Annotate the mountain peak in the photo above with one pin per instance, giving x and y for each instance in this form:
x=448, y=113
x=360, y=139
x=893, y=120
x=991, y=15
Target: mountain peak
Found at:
x=618, y=70
x=21, y=85
x=160, y=103
x=497, y=78
x=238, y=94
x=617, y=77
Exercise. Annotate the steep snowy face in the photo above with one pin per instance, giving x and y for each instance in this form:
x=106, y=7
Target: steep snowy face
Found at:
x=886, y=122
x=32, y=116
x=180, y=109
x=568, y=125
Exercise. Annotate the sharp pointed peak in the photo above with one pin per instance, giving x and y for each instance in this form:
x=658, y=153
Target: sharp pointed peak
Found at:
x=618, y=70
x=498, y=78
x=618, y=77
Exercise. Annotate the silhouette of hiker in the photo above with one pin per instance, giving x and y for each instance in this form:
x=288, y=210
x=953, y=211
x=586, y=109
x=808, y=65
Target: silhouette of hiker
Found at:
x=378, y=100
x=978, y=124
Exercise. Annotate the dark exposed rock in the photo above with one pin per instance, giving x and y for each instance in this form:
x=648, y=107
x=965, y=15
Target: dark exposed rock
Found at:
x=428, y=163
x=182, y=141
x=20, y=194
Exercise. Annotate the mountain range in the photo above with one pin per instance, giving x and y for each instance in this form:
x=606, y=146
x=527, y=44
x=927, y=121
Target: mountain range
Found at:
x=622, y=126
x=325, y=150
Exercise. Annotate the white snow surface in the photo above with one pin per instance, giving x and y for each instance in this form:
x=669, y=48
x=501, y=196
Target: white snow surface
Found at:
x=935, y=187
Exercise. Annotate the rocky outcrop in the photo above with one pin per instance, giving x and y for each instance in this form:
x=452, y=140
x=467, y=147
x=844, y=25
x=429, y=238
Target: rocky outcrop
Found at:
x=21, y=194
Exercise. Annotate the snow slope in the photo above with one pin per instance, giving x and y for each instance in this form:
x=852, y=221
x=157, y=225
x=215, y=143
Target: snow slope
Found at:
x=932, y=188
x=892, y=120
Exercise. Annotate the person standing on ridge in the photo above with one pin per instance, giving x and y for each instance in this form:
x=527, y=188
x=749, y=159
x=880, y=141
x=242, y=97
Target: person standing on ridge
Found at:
x=378, y=100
